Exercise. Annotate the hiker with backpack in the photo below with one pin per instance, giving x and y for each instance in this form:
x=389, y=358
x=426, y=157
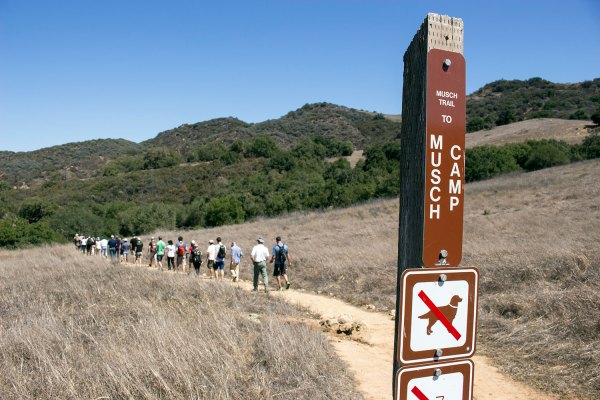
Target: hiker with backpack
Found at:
x=219, y=266
x=89, y=244
x=139, y=251
x=125, y=249
x=234, y=266
x=195, y=257
x=152, y=251
x=171, y=250
x=211, y=253
x=281, y=257
x=181, y=250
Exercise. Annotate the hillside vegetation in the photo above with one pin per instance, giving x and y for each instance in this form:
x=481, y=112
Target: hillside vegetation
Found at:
x=505, y=101
x=226, y=171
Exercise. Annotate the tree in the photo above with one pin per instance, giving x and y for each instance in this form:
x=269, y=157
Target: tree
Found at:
x=35, y=210
x=596, y=117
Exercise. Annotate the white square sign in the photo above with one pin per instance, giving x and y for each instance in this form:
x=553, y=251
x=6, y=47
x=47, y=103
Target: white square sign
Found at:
x=443, y=381
x=438, y=314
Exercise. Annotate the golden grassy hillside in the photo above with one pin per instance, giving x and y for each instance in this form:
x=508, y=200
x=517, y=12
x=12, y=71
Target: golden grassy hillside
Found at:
x=571, y=131
x=77, y=327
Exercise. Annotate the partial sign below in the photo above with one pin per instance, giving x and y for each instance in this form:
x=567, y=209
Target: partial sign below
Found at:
x=445, y=159
x=438, y=317
x=444, y=381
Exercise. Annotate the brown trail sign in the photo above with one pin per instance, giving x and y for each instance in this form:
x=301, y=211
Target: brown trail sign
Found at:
x=437, y=316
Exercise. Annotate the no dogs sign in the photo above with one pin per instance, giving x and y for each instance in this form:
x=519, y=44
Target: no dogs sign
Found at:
x=438, y=315
x=444, y=381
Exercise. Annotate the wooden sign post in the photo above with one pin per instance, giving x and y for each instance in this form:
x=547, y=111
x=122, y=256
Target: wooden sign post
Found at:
x=431, y=209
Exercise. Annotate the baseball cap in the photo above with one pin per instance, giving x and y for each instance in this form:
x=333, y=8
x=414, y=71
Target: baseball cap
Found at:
x=260, y=240
x=211, y=241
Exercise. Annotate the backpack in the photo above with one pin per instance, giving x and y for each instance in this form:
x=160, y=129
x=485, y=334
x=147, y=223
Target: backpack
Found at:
x=90, y=241
x=196, y=256
x=222, y=251
x=180, y=249
x=281, y=258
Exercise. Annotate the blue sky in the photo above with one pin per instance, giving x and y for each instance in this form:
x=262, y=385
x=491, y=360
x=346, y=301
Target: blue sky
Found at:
x=82, y=69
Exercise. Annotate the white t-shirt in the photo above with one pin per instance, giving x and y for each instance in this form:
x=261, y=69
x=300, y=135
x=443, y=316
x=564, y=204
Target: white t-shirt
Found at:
x=260, y=253
x=103, y=243
x=170, y=250
x=212, y=252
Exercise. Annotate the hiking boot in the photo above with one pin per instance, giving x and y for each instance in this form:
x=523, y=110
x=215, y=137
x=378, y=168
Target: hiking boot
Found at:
x=287, y=285
x=255, y=290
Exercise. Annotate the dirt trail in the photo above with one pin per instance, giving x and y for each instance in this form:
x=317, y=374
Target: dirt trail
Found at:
x=370, y=359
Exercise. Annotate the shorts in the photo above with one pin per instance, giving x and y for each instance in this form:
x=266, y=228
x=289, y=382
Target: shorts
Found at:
x=139, y=254
x=279, y=269
x=219, y=265
x=159, y=257
x=210, y=264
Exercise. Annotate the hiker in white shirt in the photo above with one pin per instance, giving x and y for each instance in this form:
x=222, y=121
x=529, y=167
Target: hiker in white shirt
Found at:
x=211, y=255
x=259, y=257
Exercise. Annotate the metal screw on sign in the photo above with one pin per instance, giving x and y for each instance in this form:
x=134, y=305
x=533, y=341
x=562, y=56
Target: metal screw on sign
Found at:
x=443, y=278
x=447, y=63
x=442, y=257
x=437, y=373
x=439, y=352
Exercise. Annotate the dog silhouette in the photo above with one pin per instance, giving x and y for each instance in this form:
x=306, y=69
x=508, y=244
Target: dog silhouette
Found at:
x=449, y=312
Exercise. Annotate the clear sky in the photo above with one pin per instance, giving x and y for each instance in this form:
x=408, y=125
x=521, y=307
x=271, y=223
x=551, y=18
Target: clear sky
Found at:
x=82, y=69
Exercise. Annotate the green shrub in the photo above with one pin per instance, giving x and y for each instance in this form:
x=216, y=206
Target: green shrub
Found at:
x=485, y=162
x=547, y=153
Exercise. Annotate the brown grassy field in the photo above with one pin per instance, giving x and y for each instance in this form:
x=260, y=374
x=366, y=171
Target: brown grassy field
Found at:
x=76, y=327
x=535, y=238
x=571, y=131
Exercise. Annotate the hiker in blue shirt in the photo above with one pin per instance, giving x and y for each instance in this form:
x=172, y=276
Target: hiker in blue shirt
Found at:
x=281, y=257
x=236, y=255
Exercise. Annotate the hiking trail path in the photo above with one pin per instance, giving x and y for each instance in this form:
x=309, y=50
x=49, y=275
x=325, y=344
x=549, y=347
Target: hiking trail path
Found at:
x=370, y=357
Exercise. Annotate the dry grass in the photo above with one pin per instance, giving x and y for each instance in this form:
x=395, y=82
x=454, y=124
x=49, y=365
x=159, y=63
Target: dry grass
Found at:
x=77, y=327
x=535, y=237
x=571, y=131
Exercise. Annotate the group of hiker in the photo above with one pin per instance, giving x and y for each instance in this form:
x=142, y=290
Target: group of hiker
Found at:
x=181, y=257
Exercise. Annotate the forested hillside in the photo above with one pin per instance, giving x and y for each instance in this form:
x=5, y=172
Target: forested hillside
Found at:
x=226, y=171
x=503, y=102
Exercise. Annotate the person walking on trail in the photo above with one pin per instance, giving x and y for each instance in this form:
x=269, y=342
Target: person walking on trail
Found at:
x=234, y=266
x=171, y=256
x=259, y=257
x=119, y=248
x=190, y=262
x=281, y=257
x=181, y=250
x=112, y=247
x=103, y=247
x=125, y=247
x=98, y=246
x=219, y=266
x=196, y=257
x=139, y=251
x=152, y=251
x=160, y=252
x=89, y=244
x=211, y=254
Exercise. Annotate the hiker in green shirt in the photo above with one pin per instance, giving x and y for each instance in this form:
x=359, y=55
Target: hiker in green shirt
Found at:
x=160, y=252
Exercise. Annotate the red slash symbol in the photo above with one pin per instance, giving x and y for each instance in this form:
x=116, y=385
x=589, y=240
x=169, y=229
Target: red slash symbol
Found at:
x=440, y=316
x=420, y=395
